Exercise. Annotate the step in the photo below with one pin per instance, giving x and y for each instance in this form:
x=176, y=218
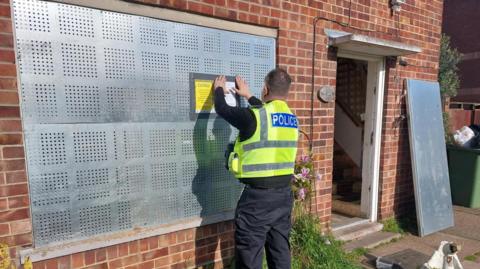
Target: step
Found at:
x=371, y=241
x=339, y=221
x=353, y=232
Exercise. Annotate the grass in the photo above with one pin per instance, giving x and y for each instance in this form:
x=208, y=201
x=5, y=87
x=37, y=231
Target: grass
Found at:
x=392, y=225
x=310, y=249
x=403, y=225
x=471, y=258
x=359, y=252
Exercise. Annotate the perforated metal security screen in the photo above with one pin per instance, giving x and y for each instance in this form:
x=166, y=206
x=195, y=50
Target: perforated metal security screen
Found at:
x=106, y=112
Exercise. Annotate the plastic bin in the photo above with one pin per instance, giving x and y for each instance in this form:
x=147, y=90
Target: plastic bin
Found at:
x=464, y=170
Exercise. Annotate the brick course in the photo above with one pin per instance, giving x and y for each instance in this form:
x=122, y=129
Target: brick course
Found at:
x=420, y=24
x=15, y=226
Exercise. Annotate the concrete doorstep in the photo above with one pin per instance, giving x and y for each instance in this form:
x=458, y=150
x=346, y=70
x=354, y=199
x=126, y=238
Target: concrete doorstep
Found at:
x=371, y=240
x=356, y=231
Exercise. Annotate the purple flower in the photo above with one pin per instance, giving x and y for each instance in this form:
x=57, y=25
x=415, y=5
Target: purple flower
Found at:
x=301, y=194
x=294, y=179
x=305, y=158
x=305, y=172
x=318, y=176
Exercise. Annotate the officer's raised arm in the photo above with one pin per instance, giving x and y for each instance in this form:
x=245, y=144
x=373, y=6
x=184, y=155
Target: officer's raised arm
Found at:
x=236, y=116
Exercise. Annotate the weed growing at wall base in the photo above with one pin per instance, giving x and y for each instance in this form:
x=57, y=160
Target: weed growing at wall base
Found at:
x=311, y=249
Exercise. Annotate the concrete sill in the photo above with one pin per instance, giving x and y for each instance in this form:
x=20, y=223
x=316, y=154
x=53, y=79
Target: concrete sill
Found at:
x=66, y=248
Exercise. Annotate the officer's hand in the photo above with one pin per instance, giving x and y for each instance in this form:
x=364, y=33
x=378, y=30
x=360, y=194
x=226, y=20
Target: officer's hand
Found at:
x=220, y=82
x=242, y=87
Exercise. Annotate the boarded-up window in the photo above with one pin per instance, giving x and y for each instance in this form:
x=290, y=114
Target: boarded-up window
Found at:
x=106, y=109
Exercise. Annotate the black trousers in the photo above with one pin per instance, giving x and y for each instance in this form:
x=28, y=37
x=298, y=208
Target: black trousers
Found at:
x=263, y=221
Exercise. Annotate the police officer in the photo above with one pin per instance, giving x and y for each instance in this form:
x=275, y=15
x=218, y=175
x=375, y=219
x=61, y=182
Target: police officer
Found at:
x=263, y=159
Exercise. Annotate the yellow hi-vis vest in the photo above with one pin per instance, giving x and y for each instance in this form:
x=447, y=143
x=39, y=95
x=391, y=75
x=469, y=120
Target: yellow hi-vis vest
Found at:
x=272, y=149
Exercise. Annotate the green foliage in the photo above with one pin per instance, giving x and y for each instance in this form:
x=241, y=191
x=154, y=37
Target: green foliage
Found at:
x=448, y=70
x=391, y=225
x=471, y=258
x=447, y=128
x=359, y=252
x=448, y=79
x=403, y=225
x=311, y=249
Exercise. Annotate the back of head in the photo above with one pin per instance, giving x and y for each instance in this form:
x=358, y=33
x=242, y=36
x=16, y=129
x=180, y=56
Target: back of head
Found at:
x=278, y=82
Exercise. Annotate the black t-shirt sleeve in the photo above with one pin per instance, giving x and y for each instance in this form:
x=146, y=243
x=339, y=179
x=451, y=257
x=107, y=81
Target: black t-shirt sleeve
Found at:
x=240, y=118
x=254, y=101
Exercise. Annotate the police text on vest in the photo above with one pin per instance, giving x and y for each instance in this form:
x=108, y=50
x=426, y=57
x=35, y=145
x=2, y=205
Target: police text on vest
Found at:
x=284, y=120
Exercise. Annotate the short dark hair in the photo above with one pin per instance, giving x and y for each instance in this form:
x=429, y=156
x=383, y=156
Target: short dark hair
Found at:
x=278, y=81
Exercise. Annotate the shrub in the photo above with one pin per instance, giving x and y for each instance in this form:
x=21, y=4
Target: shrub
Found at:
x=448, y=79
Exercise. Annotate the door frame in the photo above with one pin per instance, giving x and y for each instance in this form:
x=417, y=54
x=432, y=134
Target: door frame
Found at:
x=372, y=136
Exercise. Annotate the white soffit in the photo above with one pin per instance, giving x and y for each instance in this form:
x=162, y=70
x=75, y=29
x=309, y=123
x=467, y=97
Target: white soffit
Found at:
x=368, y=45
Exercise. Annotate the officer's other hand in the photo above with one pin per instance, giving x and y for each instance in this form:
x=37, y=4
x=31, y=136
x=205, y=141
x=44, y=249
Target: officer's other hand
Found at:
x=220, y=82
x=242, y=87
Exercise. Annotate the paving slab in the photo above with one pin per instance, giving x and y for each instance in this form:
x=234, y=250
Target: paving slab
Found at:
x=470, y=265
x=473, y=211
x=466, y=224
x=371, y=240
x=428, y=245
x=466, y=233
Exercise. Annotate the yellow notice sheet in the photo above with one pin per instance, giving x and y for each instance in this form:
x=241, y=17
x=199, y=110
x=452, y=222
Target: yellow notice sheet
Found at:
x=203, y=96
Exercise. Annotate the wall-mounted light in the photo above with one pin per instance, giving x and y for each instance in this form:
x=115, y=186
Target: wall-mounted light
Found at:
x=397, y=4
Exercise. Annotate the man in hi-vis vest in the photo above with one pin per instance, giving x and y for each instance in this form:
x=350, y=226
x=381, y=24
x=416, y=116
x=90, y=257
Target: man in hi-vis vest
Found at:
x=263, y=158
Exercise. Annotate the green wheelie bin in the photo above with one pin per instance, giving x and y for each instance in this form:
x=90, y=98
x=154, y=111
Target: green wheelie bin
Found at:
x=464, y=170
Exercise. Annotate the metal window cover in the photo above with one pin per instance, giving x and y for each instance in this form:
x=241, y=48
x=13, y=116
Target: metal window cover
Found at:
x=429, y=157
x=106, y=112
x=369, y=45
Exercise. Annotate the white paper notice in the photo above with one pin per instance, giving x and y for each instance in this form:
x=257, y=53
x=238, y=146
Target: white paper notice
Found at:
x=230, y=97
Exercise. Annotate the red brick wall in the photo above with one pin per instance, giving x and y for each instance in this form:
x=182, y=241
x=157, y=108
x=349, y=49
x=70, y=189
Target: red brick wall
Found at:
x=15, y=227
x=420, y=25
x=182, y=249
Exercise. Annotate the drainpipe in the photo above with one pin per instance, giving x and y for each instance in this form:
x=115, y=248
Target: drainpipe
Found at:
x=312, y=95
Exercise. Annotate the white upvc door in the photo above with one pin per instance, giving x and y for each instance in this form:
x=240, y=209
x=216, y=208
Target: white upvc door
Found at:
x=372, y=132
